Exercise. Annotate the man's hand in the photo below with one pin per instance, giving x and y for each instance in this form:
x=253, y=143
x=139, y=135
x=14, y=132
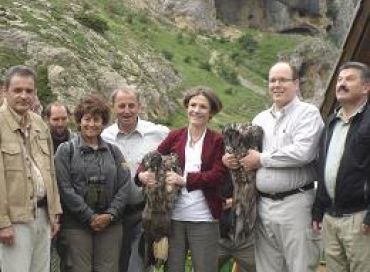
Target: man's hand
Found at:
x=365, y=229
x=147, y=178
x=230, y=161
x=172, y=178
x=7, y=236
x=316, y=225
x=54, y=229
x=100, y=221
x=252, y=161
x=228, y=204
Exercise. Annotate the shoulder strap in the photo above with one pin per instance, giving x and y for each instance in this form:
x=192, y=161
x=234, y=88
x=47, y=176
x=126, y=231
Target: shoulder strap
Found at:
x=110, y=147
x=71, y=153
x=71, y=150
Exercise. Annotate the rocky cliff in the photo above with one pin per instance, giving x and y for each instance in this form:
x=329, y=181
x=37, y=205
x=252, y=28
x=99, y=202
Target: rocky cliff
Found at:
x=164, y=46
x=288, y=16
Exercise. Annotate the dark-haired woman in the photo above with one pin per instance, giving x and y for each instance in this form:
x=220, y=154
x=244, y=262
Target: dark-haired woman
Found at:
x=92, y=179
x=195, y=216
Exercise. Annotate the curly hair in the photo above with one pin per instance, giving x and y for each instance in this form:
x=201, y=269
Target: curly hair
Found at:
x=94, y=105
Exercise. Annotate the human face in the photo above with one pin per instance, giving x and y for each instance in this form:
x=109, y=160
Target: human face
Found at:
x=126, y=107
x=91, y=126
x=282, y=87
x=21, y=94
x=58, y=120
x=350, y=88
x=199, y=111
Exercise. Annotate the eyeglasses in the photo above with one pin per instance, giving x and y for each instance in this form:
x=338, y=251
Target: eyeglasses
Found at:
x=280, y=80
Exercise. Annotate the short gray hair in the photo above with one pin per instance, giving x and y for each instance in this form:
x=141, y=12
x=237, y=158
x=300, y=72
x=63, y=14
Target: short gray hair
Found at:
x=124, y=89
x=359, y=66
x=18, y=70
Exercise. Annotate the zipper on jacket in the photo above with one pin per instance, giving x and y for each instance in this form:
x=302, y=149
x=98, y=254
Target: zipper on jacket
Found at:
x=325, y=156
x=366, y=192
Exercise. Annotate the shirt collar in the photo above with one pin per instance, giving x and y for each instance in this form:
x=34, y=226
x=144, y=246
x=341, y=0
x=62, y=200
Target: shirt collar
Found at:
x=82, y=144
x=140, y=128
x=339, y=112
x=200, y=141
x=284, y=110
x=22, y=121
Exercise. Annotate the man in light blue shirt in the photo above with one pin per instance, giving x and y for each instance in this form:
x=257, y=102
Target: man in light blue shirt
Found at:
x=135, y=137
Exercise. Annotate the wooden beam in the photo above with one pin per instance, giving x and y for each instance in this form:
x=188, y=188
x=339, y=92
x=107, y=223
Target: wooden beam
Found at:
x=355, y=48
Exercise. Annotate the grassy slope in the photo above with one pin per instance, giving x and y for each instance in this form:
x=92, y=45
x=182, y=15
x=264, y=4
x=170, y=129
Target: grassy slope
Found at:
x=188, y=53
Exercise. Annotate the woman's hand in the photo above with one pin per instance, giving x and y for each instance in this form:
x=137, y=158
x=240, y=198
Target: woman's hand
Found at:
x=172, y=178
x=147, y=178
x=230, y=161
x=100, y=221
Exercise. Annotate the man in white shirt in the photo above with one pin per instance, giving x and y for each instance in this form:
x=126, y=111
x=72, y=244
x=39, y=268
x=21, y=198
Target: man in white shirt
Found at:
x=285, y=240
x=135, y=137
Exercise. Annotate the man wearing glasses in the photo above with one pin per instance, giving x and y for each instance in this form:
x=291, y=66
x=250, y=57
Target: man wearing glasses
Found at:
x=284, y=238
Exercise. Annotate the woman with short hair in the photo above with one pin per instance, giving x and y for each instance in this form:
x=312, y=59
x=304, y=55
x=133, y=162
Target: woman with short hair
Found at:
x=92, y=178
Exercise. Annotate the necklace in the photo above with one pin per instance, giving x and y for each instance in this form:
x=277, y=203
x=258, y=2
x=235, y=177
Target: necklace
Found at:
x=194, y=140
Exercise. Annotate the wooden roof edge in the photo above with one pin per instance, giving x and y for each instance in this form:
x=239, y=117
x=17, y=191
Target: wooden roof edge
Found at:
x=328, y=103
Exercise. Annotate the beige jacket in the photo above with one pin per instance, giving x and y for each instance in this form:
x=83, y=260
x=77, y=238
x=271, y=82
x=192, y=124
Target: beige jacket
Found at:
x=17, y=190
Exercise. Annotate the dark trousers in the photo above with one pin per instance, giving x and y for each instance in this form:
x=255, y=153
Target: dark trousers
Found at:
x=131, y=259
x=86, y=251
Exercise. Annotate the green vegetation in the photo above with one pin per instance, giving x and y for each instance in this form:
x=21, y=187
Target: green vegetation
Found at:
x=43, y=89
x=93, y=21
x=198, y=59
x=10, y=57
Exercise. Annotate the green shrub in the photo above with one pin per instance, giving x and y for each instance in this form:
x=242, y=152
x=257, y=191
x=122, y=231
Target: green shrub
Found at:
x=229, y=75
x=143, y=18
x=129, y=18
x=44, y=92
x=180, y=38
x=93, y=22
x=116, y=65
x=116, y=8
x=230, y=91
x=248, y=43
x=187, y=59
x=192, y=39
x=205, y=65
x=167, y=54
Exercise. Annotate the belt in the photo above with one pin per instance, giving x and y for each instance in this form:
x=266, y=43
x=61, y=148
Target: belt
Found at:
x=282, y=195
x=338, y=214
x=42, y=202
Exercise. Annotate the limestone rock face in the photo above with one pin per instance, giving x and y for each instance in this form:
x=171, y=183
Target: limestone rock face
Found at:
x=313, y=59
x=343, y=12
x=199, y=14
x=195, y=15
x=304, y=16
x=312, y=7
